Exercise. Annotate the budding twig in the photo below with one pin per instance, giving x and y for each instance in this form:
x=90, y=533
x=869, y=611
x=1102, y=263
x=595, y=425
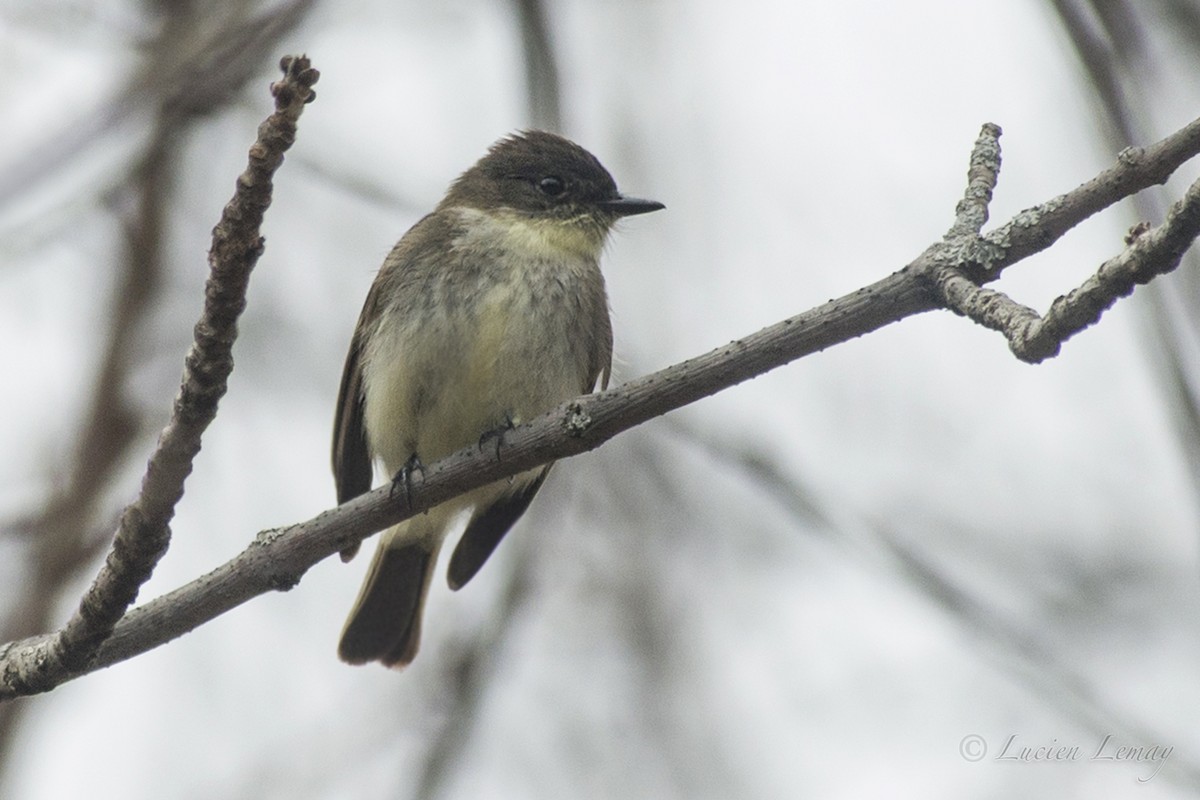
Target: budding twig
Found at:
x=143, y=533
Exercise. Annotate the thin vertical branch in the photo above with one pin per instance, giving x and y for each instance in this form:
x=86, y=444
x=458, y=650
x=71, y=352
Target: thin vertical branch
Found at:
x=541, y=67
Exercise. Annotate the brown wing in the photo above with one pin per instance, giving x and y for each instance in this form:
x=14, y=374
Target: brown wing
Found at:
x=352, y=457
x=352, y=472
x=601, y=367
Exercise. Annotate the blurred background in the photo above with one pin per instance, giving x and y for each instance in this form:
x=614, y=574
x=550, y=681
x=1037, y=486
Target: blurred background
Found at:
x=860, y=575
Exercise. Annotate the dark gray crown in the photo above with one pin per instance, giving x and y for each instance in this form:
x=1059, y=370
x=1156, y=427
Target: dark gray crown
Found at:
x=536, y=172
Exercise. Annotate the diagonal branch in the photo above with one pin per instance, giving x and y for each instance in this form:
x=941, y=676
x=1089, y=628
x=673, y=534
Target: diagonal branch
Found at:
x=277, y=559
x=143, y=533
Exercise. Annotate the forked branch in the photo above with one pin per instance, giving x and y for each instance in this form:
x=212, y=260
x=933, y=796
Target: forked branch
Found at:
x=1034, y=338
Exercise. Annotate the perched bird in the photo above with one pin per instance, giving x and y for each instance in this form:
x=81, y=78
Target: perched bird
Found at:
x=490, y=311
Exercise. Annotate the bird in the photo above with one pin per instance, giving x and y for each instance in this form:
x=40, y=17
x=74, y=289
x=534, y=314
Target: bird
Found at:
x=489, y=311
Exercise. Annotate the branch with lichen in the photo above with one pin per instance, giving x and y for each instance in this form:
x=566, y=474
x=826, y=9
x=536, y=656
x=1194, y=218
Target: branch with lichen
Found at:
x=949, y=274
x=1034, y=338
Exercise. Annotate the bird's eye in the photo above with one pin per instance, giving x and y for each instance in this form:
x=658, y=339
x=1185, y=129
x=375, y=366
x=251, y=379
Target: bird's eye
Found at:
x=552, y=186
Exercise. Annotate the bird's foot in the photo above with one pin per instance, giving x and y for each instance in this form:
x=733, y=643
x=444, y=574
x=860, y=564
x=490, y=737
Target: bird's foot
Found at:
x=497, y=434
x=403, y=477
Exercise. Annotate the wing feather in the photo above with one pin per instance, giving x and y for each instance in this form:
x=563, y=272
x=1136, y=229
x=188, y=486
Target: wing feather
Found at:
x=352, y=471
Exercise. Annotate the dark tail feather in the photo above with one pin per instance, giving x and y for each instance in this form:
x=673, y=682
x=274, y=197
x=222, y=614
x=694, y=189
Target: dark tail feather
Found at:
x=485, y=530
x=385, y=624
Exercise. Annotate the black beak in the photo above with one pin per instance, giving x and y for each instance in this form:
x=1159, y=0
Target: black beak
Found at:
x=628, y=206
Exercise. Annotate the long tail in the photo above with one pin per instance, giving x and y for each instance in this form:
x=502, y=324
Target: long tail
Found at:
x=385, y=623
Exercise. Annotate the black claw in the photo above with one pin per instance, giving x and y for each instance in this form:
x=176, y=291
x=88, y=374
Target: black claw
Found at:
x=498, y=434
x=404, y=475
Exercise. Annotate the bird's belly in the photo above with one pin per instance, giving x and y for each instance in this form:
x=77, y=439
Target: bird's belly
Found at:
x=444, y=379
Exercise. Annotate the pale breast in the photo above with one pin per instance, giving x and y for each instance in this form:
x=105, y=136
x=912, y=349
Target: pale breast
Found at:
x=477, y=344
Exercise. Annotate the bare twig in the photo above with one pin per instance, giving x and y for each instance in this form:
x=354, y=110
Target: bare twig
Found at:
x=279, y=558
x=1035, y=338
x=143, y=534
x=971, y=214
x=1031, y=337
x=1035, y=229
